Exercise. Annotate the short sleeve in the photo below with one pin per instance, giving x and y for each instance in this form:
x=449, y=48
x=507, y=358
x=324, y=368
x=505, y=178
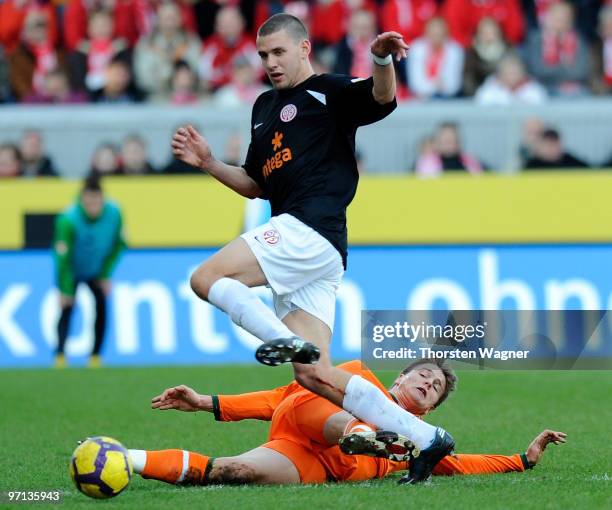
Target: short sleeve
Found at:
x=354, y=101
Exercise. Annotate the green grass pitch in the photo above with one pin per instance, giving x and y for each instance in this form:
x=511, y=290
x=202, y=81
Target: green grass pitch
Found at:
x=45, y=412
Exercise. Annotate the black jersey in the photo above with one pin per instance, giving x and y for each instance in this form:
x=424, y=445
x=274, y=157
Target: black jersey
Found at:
x=302, y=151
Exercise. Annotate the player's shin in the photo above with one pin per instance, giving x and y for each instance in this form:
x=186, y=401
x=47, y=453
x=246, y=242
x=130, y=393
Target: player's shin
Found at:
x=247, y=310
x=178, y=467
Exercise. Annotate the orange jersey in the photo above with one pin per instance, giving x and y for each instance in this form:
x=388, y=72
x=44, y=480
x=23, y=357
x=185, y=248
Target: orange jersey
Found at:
x=298, y=417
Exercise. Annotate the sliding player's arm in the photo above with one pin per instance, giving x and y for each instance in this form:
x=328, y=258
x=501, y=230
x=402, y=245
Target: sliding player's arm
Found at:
x=192, y=148
x=473, y=464
x=258, y=405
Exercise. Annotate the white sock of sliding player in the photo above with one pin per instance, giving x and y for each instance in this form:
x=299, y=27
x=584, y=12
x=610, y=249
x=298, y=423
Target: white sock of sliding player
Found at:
x=365, y=401
x=247, y=310
x=139, y=459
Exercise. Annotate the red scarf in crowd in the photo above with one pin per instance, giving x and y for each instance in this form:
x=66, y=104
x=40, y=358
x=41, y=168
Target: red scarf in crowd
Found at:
x=362, y=60
x=433, y=64
x=45, y=60
x=607, y=60
x=559, y=49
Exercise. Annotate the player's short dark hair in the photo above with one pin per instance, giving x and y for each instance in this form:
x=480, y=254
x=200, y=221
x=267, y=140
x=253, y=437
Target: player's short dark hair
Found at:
x=449, y=375
x=550, y=134
x=293, y=25
x=92, y=183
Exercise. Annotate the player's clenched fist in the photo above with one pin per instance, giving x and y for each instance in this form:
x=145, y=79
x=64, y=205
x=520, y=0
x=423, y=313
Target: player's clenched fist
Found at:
x=191, y=147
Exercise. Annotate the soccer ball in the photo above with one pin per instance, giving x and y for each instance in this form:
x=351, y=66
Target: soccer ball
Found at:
x=101, y=467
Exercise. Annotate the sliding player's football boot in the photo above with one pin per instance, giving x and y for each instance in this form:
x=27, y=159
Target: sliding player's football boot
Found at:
x=287, y=350
x=422, y=465
x=381, y=443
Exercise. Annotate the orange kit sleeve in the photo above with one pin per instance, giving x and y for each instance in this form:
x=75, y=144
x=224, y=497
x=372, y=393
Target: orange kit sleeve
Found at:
x=258, y=405
x=473, y=464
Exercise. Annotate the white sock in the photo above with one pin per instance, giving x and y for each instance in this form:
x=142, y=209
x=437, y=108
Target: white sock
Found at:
x=247, y=310
x=139, y=459
x=365, y=401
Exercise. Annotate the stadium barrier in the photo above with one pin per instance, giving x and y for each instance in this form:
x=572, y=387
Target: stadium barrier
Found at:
x=493, y=134
x=186, y=211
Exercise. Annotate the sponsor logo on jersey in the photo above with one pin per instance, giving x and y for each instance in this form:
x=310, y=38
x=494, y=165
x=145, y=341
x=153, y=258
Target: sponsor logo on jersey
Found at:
x=281, y=155
x=288, y=113
x=272, y=237
x=257, y=125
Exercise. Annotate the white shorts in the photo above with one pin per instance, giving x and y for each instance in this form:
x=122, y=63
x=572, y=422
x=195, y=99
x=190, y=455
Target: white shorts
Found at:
x=303, y=269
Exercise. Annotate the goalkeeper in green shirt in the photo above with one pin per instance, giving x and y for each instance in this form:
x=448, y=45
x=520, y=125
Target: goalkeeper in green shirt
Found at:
x=87, y=243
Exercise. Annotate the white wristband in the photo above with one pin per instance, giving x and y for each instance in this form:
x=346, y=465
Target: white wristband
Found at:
x=382, y=61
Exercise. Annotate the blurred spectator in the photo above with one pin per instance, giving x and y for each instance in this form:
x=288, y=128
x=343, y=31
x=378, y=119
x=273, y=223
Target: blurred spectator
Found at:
x=558, y=55
x=132, y=18
x=244, y=87
x=447, y=154
x=105, y=160
x=156, y=54
x=33, y=58
x=91, y=57
x=603, y=53
x=483, y=56
x=184, y=85
x=34, y=162
x=530, y=135
x=327, y=26
x=435, y=63
x=10, y=160
x=463, y=17
x=13, y=14
x=5, y=90
x=118, y=85
x=353, y=55
x=134, y=158
x=550, y=155
x=56, y=90
x=408, y=17
x=220, y=49
x=510, y=85
x=586, y=14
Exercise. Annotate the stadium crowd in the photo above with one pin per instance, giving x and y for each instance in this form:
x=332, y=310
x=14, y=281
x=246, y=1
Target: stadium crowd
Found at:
x=187, y=52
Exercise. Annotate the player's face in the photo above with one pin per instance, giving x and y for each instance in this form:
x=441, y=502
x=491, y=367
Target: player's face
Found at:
x=419, y=390
x=284, y=59
x=92, y=203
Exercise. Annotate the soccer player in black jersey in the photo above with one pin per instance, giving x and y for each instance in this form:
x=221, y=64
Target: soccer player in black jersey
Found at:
x=301, y=158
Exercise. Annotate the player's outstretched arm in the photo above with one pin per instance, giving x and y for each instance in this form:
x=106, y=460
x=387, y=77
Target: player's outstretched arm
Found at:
x=385, y=46
x=192, y=148
x=480, y=464
x=182, y=398
x=538, y=445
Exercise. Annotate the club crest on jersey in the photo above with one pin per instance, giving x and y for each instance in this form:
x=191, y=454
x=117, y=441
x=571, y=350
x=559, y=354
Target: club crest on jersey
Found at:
x=272, y=237
x=288, y=113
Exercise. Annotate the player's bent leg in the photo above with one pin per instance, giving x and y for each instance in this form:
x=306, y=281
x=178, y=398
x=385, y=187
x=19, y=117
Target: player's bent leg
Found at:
x=235, y=261
x=258, y=466
x=182, y=467
x=224, y=281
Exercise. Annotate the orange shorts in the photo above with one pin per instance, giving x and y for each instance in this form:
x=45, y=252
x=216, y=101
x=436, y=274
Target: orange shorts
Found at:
x=307, y=463
x=296, y=432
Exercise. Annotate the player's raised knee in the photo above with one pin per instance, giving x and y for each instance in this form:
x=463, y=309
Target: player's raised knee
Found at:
x=202, y=280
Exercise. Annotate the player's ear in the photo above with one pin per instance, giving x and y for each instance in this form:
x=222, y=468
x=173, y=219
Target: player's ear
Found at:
x=306, y=48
